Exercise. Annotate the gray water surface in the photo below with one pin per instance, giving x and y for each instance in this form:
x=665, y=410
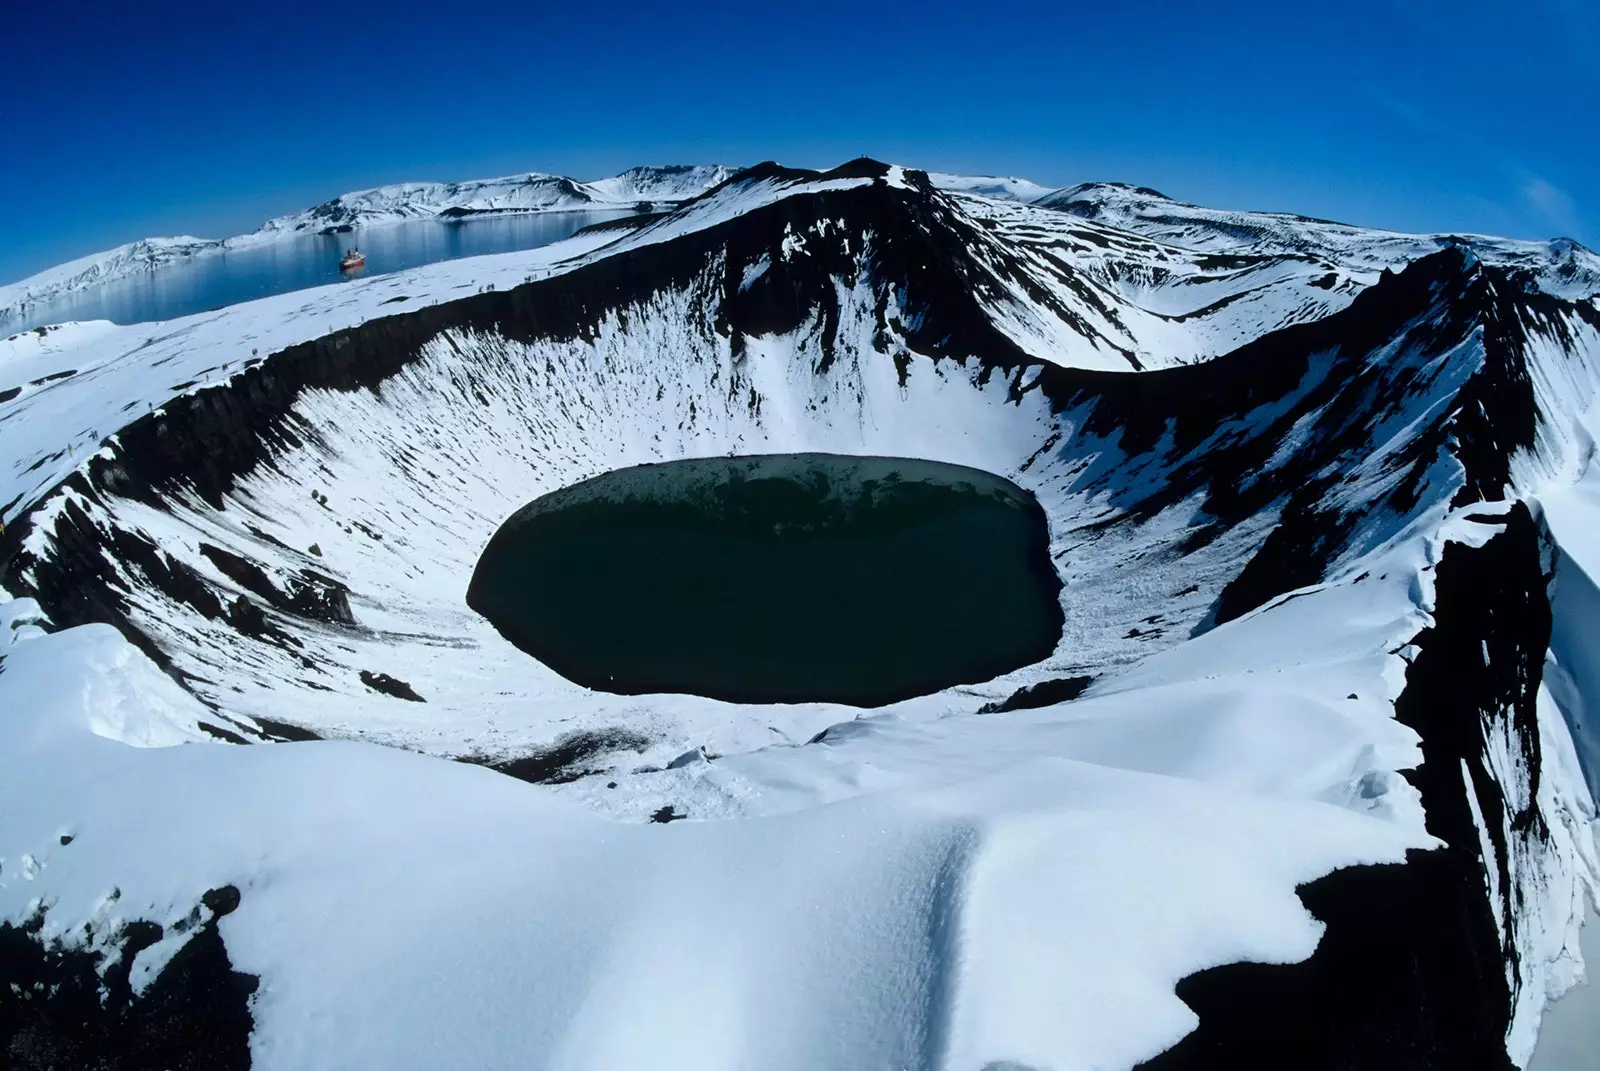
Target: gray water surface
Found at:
x=213, y=280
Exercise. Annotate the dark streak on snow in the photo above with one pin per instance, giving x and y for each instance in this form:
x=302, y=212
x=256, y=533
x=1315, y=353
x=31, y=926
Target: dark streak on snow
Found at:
x=1043, y=694
x=283, y=731
x=572, y=756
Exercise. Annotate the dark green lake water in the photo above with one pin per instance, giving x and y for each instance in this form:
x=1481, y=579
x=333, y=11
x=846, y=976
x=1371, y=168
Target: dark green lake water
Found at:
x=778, y=578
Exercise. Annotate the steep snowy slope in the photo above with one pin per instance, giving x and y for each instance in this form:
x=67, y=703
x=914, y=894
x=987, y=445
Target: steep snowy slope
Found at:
x=1295, y=787
x=1162, y=304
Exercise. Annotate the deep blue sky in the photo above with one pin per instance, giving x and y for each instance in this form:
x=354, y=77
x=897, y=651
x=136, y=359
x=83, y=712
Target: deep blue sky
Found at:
x=120, y=120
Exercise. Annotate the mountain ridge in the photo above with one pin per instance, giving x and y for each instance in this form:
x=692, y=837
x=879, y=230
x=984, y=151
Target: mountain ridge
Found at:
x=1134, y=209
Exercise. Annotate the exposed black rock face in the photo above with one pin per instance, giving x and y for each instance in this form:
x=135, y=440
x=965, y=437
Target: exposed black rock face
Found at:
x=246, y=617
x=311, y=594
x=63, y=1008
x=1381, y=992
x=283, y=731
x=382, y=682
x=220, y=733
x=319, y=597
x=1411, y=972
x=573, y=756
x=1043, y=694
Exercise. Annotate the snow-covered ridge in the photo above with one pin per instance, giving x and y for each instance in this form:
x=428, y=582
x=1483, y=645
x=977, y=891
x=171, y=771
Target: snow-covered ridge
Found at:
x=530, y=192
x=134, y=258
x=1133, y=209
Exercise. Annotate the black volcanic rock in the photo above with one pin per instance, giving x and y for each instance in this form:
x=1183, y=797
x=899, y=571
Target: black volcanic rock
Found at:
x=392, y=686
x=63, y=1007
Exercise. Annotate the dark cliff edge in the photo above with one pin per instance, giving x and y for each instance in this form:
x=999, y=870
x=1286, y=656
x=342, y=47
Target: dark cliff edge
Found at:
x=1411, y=971
x=64, y=1007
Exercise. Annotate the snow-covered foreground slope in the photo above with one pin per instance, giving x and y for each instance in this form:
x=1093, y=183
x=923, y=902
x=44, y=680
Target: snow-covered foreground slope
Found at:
x=1322, y=802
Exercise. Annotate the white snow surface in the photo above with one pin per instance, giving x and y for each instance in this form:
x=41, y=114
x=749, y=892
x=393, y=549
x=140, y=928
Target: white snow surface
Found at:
x=923, y=887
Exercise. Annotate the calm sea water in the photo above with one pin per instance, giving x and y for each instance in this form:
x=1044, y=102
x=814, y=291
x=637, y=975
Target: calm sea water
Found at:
x=210, y=282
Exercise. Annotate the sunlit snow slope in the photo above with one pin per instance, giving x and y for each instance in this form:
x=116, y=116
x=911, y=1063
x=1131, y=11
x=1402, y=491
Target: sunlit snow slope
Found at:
x=1296, y=787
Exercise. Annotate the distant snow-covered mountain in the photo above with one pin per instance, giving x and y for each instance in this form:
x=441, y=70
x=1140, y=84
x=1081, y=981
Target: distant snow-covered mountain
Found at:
x=1006, y=189
x=134, y=258
x=530, y=192
x=1563, y=266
